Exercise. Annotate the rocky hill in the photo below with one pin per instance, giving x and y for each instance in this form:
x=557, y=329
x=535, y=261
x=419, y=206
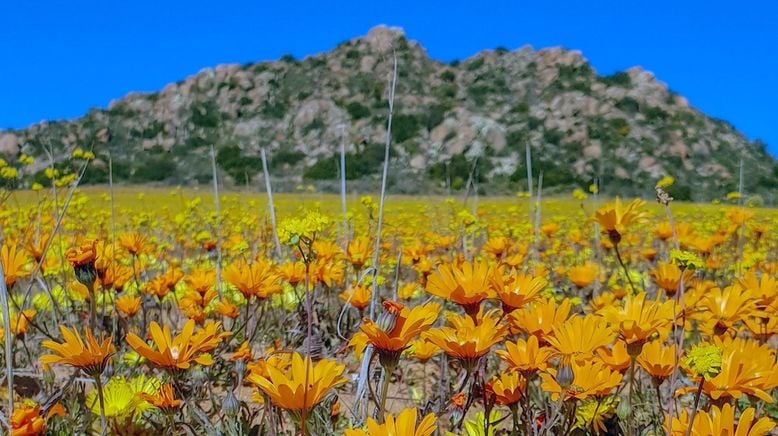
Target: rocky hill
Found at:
x=628, y=129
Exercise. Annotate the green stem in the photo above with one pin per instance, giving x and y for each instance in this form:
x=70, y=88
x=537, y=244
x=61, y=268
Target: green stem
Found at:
x=515, y=415
x=624, y=267
x=694, y=409
x=388, y=370
x=99, y=385
x=92, y=309
x=631, y=426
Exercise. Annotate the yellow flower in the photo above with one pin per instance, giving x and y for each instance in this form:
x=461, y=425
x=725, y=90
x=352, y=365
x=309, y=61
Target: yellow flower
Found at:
x=617, y=358
x=292, y=272
x=27, y=421
x=668, y=277
x=721, y=421
x=615, y=217
x=358, y=297
x=395, y=329
x=580, y=336
x=583, y=275
x=302, y=386
x=639, y=321
x=128, y=305
x=465, y=340
x=497, y=246
x=122, y=396
x=594, y=413
x=764, y=288
x=292, y=230
x=225, y=308
x=507, y=388
x=178, y=352
x=90, y=356
x=686, y=260
x=527, y=357
x=466, y=286
x=242, y=353
x=201, y=280
x=703, y=360
x=359, y=252
x=164, y=398
x=733, y=367
x=540, y=318
x=579, y=194
x=515, y=289
x=134, y=243
x=423, y=350
x=724, y=308
x=404, y=425
x=258, y=279
x=657, y=360
x=665, y=182
x=20, y=321
x=590, y=379
x=14, y=263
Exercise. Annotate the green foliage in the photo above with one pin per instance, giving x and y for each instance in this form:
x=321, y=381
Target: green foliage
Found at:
x=621, y=79
x=364, y=84
x=283, y=157
x=315, y=124
x=520, y=108
x=574, y=72
x=153, y=129
x=365, y=162
x=552, y=136
x=446, y=91
x=288, y=58
x=433, y=116
x=448, y=76
x=205, y=114
x=516, y=139
x=274, y=109
x=404, y=127
x=474, y=64
x=628, y=105
x=458, y=166
x=357, y=110
x=233, y=161
x=156, y=168
x=654, y=114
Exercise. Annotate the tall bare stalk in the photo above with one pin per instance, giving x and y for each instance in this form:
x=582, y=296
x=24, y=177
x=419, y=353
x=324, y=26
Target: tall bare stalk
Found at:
x=270, y=205
x=115, y=319
x=365, y=368
x=343, y=208
x=9, y=369
x=217, y=207
x=538, y=212
x=387, y=146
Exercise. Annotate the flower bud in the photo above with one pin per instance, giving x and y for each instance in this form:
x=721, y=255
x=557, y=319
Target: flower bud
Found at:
x=230, y=405
x=564, y=375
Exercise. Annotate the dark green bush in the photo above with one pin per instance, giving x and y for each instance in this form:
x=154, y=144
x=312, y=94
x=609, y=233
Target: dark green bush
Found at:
x=155, y=169
x=233, y=161
x=621, y=79
x=357, y=110
x=404, y=127
x=474, y=64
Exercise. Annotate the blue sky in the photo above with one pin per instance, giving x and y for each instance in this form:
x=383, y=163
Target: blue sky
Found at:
x=60, y=58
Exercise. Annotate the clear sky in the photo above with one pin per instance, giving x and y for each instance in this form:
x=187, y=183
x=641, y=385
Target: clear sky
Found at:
x=60, y=58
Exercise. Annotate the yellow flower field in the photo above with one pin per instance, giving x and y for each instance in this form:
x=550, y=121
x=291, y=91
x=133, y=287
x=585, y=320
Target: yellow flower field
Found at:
x=153, y=311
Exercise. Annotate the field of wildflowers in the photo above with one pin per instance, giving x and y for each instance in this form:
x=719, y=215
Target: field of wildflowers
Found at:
x=150, y=311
